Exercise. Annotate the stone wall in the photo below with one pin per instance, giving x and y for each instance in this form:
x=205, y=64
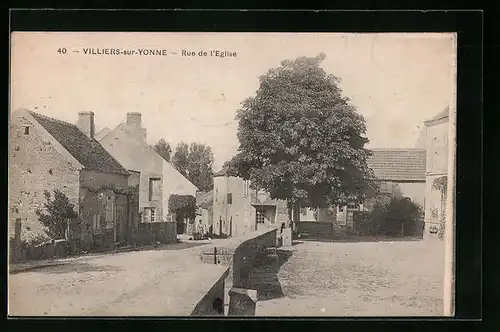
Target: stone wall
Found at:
x=316, y=229
x=96, y=190
x=163, y=232
x=35, y=166
x=212, y=304
x=239, y=253
x=48, y=250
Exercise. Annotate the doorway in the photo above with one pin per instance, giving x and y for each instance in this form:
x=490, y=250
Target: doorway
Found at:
x=180, y=224
x=264, y=215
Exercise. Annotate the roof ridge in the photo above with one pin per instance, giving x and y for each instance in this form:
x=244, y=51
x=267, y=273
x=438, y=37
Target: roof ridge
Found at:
x=52, y=119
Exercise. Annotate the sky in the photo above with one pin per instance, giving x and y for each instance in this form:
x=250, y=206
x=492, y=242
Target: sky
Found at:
x=396, y=81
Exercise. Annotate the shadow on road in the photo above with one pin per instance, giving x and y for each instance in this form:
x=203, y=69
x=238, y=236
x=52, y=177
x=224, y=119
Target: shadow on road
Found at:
x=77, y=267
x=263, y=277
x=355, y=239
x=179, y=245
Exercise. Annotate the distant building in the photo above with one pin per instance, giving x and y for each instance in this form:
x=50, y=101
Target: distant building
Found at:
x=398, y=172
x=158, y=178
x=436, y=167
x=204, y=204
x=239, y=209
x=100, y=135
x=48, y=154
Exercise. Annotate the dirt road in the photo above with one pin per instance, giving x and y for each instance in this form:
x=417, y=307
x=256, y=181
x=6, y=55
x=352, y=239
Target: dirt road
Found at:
x=152, y=282
x=402, y=278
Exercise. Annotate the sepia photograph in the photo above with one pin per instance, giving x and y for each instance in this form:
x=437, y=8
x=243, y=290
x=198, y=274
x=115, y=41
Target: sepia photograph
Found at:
x=231, y=174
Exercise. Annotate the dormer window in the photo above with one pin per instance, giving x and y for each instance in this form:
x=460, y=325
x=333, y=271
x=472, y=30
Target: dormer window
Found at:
x=26, y=130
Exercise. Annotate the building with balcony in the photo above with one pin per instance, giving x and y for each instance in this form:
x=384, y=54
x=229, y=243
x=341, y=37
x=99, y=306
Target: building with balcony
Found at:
x=239, y=209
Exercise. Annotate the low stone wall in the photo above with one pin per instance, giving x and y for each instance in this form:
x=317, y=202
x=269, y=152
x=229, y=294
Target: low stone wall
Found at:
x=49, y=250
x=212, y=304
x=239, y=253
x=163, y=232
x=317, y=229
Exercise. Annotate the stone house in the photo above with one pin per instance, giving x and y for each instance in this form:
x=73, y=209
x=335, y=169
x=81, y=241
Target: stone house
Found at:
x=47, y=154
x=204, y=204
x=398, y=172
x=436, y=167
x=238, y=209
x=158, y=178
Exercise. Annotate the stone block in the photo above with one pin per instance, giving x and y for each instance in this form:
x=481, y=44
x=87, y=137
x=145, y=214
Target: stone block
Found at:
x=286, y=237
x=242, y=302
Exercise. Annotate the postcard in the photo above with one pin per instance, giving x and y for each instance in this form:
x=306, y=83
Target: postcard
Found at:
x=232, y=174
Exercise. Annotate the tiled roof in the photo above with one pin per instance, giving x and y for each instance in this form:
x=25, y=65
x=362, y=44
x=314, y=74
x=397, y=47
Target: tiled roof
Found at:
x=398, y=164
x=87, y=151
x=205, y=200
x=223, y=172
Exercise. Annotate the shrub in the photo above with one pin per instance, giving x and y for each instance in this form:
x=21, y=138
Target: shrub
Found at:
x=59, y=210
x=182, y=204
x=395, y=216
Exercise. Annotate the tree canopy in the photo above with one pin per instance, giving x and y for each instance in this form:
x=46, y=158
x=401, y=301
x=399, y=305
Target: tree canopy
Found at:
x=180, y=158
x=182, y=204
x=301, y=140
x=163, y=149
x=195, y=161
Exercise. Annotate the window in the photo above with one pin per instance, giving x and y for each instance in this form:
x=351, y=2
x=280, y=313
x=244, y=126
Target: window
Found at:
x=303, y=211
x=149, y=215
x=259, y=217
x=154, y=189
x=229, y=198
x=26, y=130
x=386, y=187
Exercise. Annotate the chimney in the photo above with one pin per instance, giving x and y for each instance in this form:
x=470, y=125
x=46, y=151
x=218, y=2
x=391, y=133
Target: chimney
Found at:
x=86, y=123
x=134, y=125
x=134, y=119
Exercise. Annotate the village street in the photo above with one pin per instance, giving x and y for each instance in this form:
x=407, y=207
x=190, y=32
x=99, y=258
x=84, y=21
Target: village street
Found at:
x=313, y=278
x=151, y=282
x=401, y=278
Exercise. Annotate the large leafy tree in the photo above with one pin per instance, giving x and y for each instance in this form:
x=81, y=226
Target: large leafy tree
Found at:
x=163, y=149
x=180, y=159
x=301, y=140
x=195, y=161
x=200, y=160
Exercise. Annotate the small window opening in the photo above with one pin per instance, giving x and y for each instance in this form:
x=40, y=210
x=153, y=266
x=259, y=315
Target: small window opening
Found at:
x=26, y=130
x=50, y=171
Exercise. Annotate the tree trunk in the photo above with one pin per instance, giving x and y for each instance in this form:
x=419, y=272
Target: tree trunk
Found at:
x=290, y=214
x=296, y=216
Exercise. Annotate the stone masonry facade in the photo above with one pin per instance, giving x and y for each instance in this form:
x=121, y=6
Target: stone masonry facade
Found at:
x=36, y=166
